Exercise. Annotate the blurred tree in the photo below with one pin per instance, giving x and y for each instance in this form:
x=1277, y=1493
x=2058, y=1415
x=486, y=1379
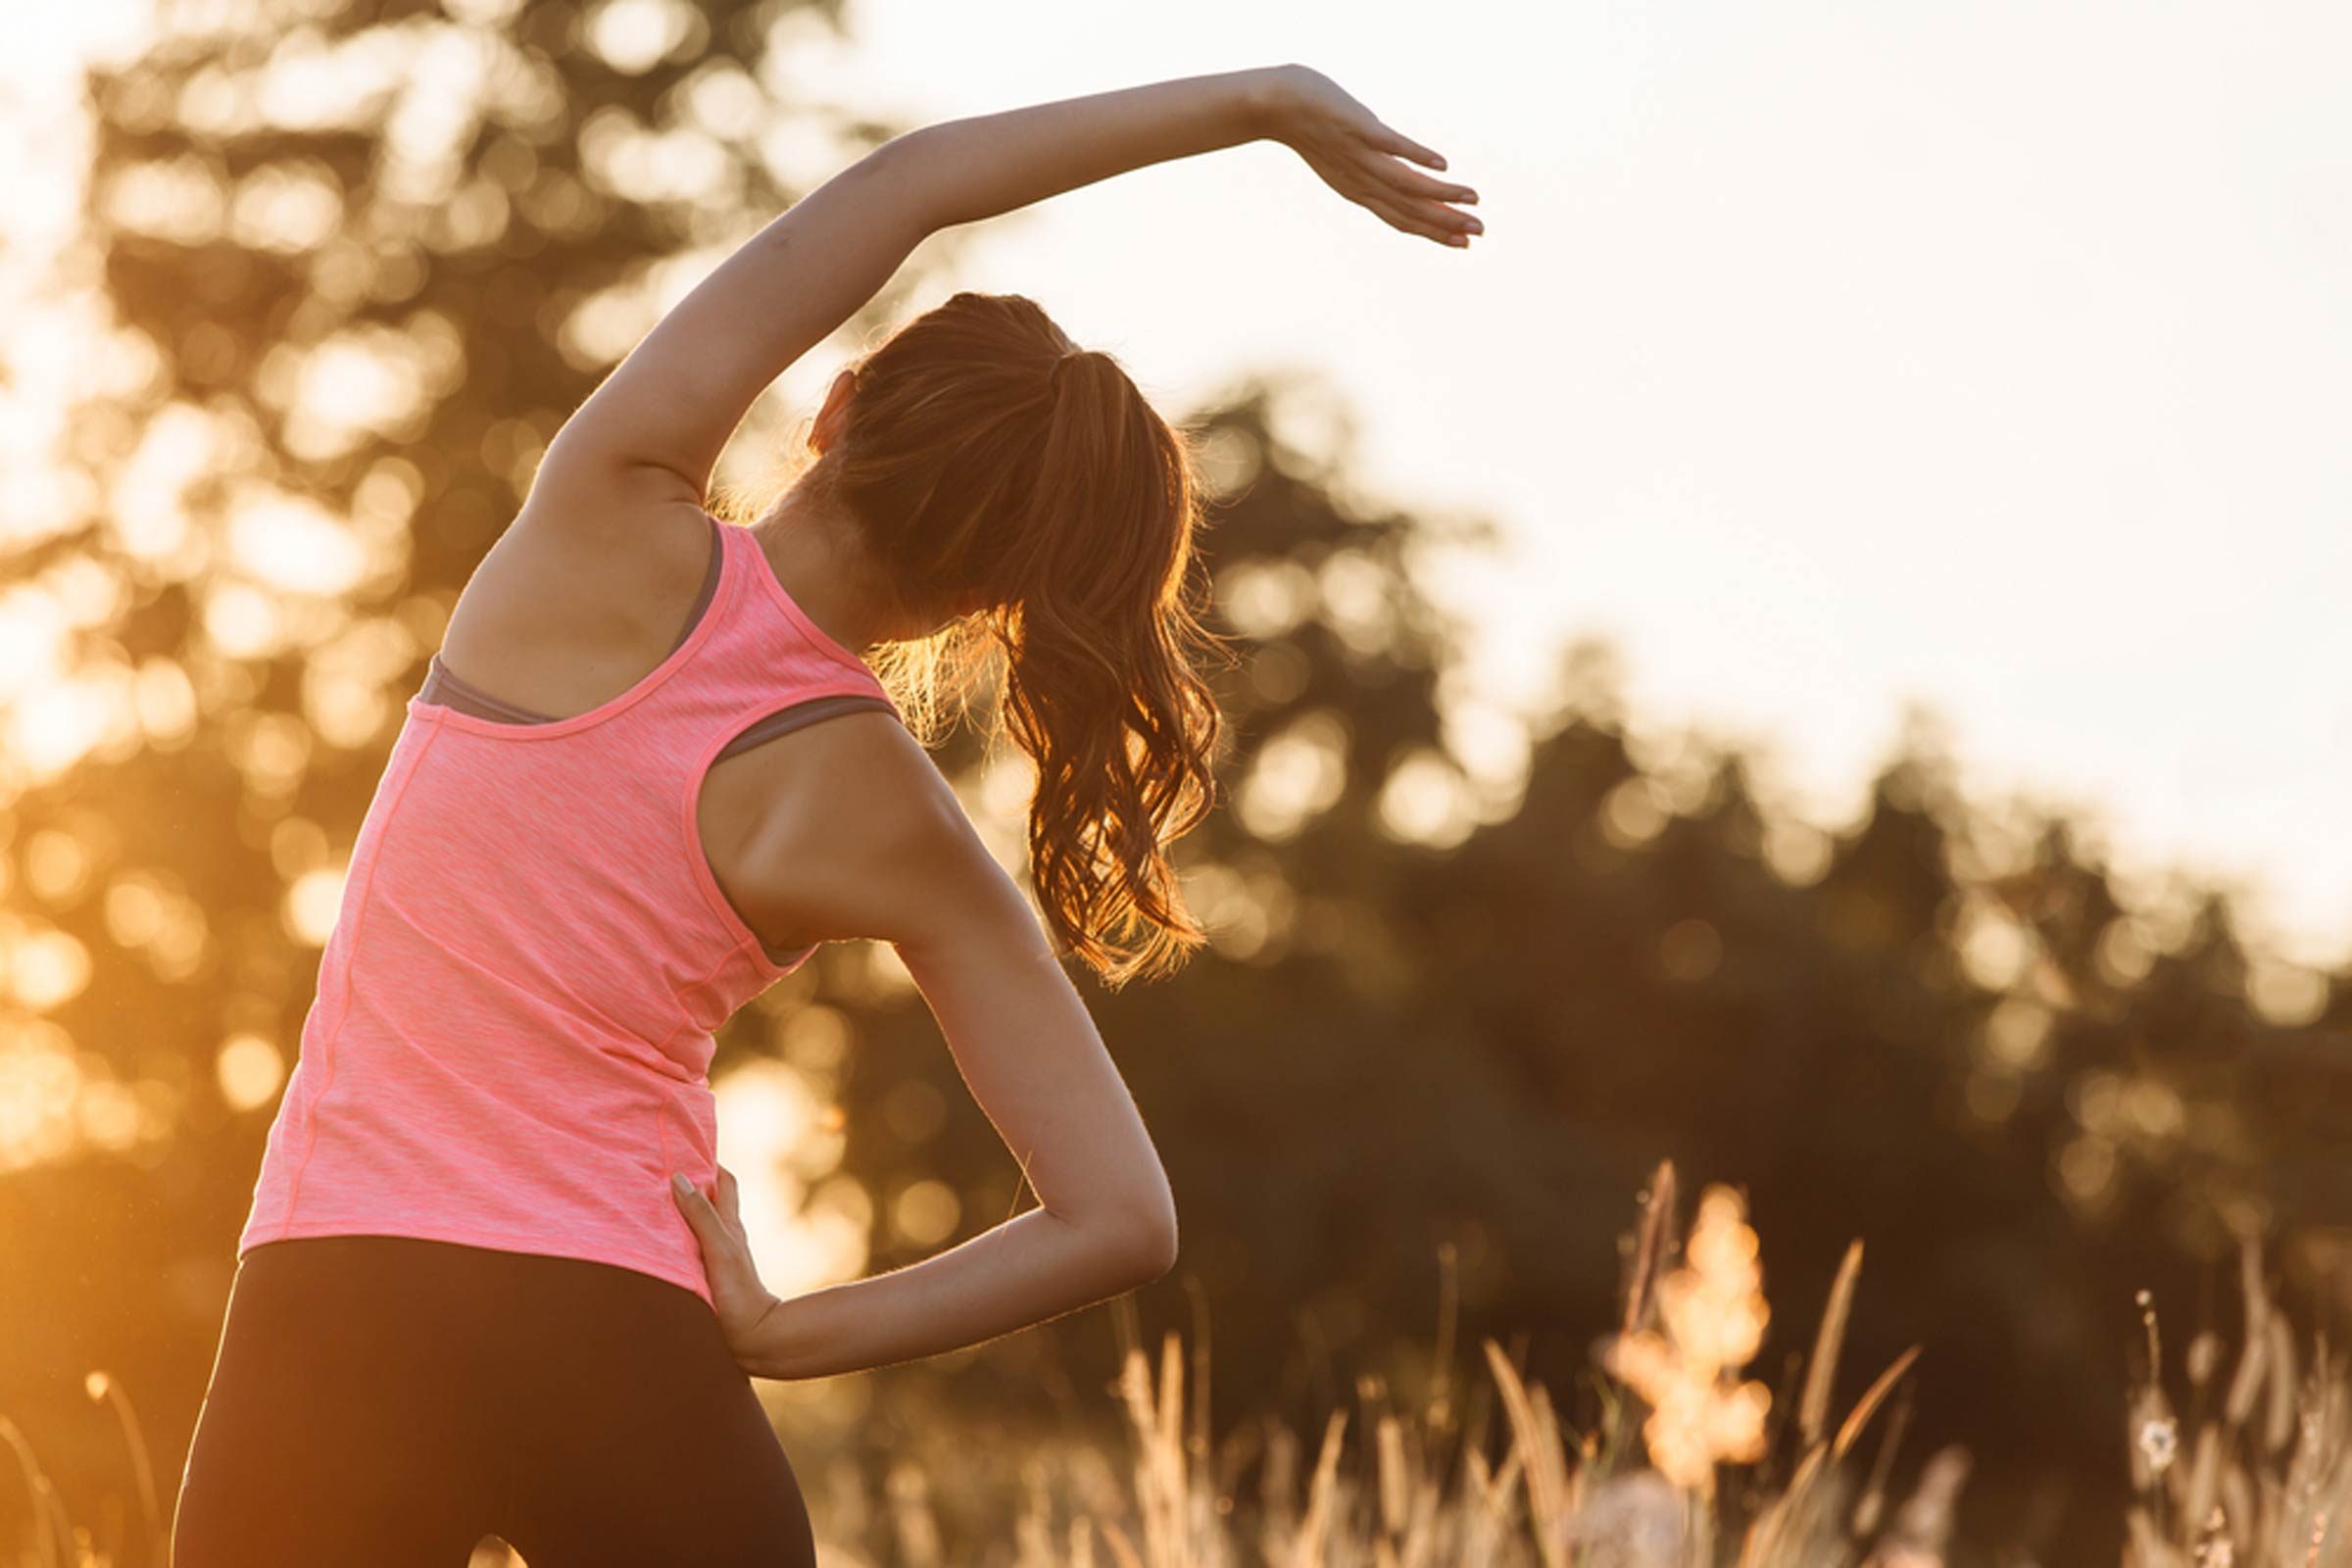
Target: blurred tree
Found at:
x=1442, y=1009
x=1471, y=976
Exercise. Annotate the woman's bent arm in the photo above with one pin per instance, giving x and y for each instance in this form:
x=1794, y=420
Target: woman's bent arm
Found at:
x=886, y=851
x=1105, y=1221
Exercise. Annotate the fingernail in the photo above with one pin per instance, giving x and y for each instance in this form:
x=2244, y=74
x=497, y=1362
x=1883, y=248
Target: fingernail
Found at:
x=677, y=1179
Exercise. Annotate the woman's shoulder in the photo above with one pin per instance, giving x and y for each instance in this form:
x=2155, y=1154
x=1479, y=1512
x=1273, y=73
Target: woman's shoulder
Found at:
x=865, y=834
x=574, y=602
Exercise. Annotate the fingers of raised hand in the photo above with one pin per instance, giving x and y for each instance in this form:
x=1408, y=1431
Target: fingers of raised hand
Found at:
x=1428, y=218
x=1414, y=194
x=1409, y=181
x=1404, y=198
x=1389, y=139
x=1439, y=221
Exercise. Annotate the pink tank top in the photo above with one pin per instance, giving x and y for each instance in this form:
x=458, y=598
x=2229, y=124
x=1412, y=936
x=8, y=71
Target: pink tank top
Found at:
x=512, y=1036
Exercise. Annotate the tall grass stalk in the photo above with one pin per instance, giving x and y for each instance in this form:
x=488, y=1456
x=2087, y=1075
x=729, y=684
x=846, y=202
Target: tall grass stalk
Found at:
x=2264, y=1479
x=1434, y=1487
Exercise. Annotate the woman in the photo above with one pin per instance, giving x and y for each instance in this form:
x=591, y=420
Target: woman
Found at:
x=493, y=1280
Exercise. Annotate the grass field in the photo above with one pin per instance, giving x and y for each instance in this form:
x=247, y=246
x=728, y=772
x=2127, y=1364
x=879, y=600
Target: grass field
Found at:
x=2241, y=1458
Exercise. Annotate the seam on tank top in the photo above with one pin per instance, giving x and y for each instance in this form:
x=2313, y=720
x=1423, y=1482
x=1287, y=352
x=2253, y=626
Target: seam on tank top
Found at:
x=652, y=681
x=662, y=1045
x=662, y=1133
x=329, y=1036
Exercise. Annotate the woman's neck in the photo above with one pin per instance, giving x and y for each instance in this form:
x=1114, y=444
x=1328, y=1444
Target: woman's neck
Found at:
x=818, y=554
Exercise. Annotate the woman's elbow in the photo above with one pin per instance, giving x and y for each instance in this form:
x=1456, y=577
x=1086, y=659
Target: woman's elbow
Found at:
x=1140, y=1242
x=1156, y=1243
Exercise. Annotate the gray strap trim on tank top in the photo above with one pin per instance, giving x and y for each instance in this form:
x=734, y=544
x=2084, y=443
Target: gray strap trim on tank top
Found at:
x=447, y=690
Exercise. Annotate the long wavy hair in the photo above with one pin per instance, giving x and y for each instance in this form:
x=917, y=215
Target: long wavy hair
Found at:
x=1003, y=475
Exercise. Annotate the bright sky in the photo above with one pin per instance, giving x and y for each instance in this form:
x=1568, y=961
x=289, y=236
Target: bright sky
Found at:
x=1825, y=355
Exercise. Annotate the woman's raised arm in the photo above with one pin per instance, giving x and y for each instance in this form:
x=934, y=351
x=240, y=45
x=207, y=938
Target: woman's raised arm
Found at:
x=655, y=428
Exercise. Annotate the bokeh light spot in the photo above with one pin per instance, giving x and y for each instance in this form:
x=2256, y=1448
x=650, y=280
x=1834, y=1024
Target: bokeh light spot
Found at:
x=249, y=1070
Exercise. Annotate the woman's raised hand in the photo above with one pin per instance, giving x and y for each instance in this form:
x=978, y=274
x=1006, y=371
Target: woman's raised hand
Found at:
x=1361, y=157
x=741, y=1301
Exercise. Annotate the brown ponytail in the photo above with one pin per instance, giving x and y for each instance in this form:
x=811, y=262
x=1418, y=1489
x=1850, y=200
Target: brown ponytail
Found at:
x=997, y=469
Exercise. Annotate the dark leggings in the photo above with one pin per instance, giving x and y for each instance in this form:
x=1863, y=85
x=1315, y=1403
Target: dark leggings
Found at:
x=379, y=1401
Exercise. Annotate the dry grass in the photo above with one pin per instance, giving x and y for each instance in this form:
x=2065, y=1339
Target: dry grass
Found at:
x=2257, y=1472
x=1677, y=1474
x=1688, y=1465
